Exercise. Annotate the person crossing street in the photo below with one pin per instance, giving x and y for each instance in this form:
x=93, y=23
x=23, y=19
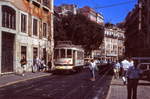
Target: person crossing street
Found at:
x=93, y=68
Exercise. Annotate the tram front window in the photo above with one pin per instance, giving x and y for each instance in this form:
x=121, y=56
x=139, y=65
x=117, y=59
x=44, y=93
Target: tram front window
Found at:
x=56, y=53
x=62, y=51
x=69, y=53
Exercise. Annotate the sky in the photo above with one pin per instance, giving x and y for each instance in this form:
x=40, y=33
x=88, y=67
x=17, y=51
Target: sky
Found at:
x=113, y=14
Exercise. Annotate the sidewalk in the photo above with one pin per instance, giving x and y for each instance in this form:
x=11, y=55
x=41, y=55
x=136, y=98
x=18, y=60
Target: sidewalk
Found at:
x=9, y=79
x=119, y=91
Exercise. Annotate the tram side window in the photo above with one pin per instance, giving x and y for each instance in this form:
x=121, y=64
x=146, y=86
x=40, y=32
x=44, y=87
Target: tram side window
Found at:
x=69, y=53
x=62, y=52
x=78, y=55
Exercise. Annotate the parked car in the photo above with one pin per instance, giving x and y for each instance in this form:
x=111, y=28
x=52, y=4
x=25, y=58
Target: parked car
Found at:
x=145, y=67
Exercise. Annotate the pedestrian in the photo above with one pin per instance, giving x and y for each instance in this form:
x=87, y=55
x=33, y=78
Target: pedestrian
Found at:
x=93, y=68
x=125, y=65
x=117, y=69
x=35, y=64
x=43, y=65
x=133, y=75
x=23, y=63
x=131, y=61
x=49, y=64
x=121, y=68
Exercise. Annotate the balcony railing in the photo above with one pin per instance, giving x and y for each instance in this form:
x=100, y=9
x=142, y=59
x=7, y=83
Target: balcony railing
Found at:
x=36, y=2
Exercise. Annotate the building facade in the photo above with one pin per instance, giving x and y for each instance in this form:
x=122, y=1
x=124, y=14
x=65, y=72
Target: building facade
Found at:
x=26, y=29
x=66, y=9
x=138, y=30
x=112, y=47
x=92, y=14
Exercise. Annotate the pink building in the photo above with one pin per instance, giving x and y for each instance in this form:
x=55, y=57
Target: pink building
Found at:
x=92, y=14
x=65, y=9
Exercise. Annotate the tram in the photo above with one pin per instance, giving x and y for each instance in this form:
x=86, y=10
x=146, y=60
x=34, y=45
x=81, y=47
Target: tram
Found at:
x=68, y=57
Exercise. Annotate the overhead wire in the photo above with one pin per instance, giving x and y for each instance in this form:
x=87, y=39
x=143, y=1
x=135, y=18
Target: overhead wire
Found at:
x=114, y=5
x=97, y=7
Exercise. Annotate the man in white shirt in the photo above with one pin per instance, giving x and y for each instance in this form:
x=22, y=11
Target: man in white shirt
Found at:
x=131, y=62
x=93, y=67
x=125, y=65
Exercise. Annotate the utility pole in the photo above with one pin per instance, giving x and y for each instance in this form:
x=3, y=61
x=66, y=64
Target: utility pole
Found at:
x=140, y=16
x=140, y=29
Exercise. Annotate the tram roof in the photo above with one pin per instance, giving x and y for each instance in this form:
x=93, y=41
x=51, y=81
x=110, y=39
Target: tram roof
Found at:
x=66, y=46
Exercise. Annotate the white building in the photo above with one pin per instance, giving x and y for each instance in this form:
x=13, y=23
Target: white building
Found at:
x=26, y=28
x=112, y=47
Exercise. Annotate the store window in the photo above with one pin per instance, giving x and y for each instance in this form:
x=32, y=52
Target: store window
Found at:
x=35, y=52
x=24, y=51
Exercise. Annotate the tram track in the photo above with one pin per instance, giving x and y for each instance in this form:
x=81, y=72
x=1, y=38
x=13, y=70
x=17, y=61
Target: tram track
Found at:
x=75, y=86
x=99, y=90
x=90, y=89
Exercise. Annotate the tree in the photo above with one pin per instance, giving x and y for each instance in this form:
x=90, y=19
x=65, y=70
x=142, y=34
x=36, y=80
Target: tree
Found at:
x=80, y=30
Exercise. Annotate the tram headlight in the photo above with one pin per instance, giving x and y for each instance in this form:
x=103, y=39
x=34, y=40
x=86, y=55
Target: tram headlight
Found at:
x=69, y=67
x=64, y=67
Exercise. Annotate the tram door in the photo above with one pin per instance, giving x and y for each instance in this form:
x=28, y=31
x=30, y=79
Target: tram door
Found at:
x=7, y=52
x=74, y=57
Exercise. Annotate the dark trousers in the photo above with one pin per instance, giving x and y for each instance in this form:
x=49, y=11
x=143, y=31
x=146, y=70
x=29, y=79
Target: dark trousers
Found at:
x=132, y=88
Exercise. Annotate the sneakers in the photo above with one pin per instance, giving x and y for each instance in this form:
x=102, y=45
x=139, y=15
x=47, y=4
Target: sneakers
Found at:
x=22, y=74
x=92, y=79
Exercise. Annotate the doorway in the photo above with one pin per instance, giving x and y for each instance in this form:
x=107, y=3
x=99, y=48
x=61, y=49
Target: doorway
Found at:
x=7, y=52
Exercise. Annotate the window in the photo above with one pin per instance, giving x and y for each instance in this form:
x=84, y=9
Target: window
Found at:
x=62, y=51
x=44, y=54
x=8, y=17
x=56, y=53
x=35, y=52
x=35, y=27
x=23, y=23
x=46, y=3
x=44, y=29
x=69, y=53
x=23, y=51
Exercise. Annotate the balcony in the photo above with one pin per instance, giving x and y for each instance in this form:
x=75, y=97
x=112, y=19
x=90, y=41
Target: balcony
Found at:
x=36, y=2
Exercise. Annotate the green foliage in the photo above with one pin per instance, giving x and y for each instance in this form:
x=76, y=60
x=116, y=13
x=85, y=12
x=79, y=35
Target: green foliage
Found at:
x=80, y=30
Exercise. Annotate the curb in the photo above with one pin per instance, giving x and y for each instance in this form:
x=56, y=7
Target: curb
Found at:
x=109, y=91
x=22, y=80
x=108, y=95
